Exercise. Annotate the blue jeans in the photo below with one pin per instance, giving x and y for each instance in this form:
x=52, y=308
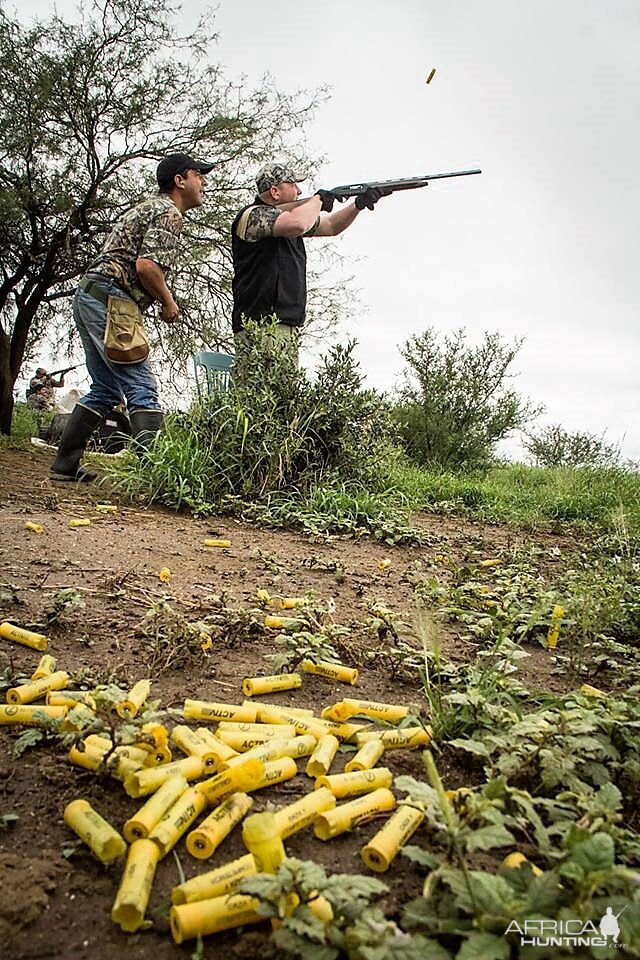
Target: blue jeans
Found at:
x=110, y=382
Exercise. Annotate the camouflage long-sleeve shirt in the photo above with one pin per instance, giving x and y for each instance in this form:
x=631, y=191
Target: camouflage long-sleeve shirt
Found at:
x=150, y=230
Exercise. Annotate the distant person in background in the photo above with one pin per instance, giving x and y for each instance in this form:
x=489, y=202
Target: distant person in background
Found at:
x=139, y=253
x=269, y=256
x=40, y=400
x=42, y=385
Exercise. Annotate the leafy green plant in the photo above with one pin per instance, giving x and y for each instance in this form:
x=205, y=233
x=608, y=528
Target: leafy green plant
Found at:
x=356, y=929
x=62, y=606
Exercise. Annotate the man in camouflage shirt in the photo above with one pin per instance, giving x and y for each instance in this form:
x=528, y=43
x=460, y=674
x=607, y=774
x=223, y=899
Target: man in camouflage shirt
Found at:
x=269, y=256
x=140, y=251
x=40, y=395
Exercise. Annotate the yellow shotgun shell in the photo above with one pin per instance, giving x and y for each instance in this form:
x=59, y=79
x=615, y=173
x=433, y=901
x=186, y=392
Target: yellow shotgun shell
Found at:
x=70, y=698
x=366, y=757
x=164, y=575
x=407, y=737
x=259, y=706
x=296, y=816
x=357, y=782
x=191, y=743
x=275, y=749
x=303, y=724
x=220, y=750
x=588, y=691
x=34, y=527
x=140, y=825
x=383, y=847
x=45, y=668
x=28, y=692
x=245, y=776
x=132, y=898
x=80, y=522
x=129, y=708
x=241, y=742
x=214, y=883
x=331, y=671
x=203, y=917
x=290, y=603
x=205, y=710
x=262, y=839
x=275, y=771
x=30, y=714
x=270, y=684
x=150, y=779
x=106, y=508
x=203, y=842
x=554, y=630
x=320, y=761
x=347, y=708
x=284, y=623
x=101, y=838
x=347, y=815
x=177, y=819
x=37, y=641
x=513, y=861
x=217, y=543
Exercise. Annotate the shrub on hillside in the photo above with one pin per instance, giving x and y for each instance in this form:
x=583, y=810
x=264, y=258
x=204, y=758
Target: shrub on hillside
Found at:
x=556, y=447
x=454, y=405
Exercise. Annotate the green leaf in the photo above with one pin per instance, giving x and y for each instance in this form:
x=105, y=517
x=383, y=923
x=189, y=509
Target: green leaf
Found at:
x=596, y=853
x=484, y=946
x=421, y=856
x=27, y=739
x=543, y=895
x=486, y=838
x=299, y=946
x=491, y=893
x=476, y=747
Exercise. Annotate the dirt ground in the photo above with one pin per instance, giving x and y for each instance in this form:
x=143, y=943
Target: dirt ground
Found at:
x=54, y=906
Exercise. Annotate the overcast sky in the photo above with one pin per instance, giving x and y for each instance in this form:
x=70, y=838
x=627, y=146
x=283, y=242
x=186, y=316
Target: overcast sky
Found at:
x=544, y=97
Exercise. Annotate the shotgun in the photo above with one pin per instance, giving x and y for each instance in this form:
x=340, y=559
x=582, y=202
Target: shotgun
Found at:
x=390, y=186
x=54, y=373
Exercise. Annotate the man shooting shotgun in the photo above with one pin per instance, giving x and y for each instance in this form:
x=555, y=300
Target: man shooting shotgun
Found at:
x=268, y=244
x=40, y=392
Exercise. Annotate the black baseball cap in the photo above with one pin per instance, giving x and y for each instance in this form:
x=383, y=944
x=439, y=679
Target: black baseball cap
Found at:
x=178, y=163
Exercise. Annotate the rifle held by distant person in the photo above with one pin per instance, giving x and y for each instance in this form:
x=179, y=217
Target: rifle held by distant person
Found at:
x=54, y=373
x=390, y=186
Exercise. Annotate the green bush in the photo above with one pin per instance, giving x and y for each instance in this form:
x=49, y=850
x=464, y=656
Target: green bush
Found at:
x=454, y=405
x=553, y=446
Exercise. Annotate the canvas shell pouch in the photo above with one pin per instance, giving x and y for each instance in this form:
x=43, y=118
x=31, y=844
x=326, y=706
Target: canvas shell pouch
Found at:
x=125, y=339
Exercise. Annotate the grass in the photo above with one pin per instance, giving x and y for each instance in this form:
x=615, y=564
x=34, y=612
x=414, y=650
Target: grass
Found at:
x=185, y=474
x=608, y=498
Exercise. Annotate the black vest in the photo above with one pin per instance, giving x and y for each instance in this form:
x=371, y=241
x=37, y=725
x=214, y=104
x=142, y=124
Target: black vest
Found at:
x=270, y=276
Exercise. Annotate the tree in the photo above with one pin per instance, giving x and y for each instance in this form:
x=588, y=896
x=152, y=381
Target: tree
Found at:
x=554, y=446
x=454, y=405
x=84, y=106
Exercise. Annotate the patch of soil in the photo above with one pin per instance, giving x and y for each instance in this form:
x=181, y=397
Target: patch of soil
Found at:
x=60, y=908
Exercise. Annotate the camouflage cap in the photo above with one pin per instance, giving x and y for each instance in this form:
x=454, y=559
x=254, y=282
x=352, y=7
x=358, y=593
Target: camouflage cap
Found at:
x=272, y=174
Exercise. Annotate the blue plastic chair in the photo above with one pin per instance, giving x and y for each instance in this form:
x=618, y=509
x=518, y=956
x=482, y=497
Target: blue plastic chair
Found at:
x=217, y=371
